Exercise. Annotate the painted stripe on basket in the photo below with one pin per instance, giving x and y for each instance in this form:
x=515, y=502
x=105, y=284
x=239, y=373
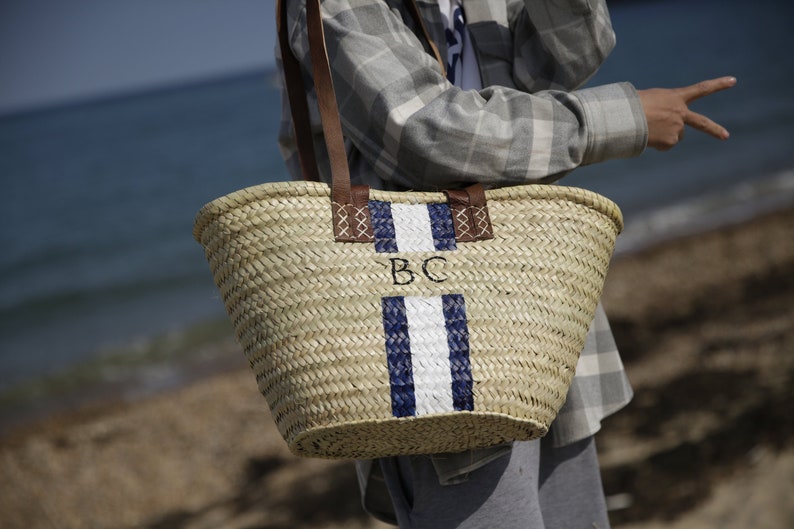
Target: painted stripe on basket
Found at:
x=411, y=227
x=458, y=343
x=382, y=226
x=429, y=354
x=427, y=350
x=441, y=224
x=398, y=355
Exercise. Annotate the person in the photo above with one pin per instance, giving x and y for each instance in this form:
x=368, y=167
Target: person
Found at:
x=507, y=110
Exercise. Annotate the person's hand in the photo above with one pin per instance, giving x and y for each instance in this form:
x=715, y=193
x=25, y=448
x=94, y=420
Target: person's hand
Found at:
x=667, y=112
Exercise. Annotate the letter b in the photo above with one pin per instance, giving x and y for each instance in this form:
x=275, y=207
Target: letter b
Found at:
x=400, y=267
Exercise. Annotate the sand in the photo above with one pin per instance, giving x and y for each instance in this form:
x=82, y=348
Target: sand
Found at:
x=705, y=325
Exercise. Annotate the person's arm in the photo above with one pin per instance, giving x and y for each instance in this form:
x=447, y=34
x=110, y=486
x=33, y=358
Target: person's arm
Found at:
x=420, y=132
x=561, y=44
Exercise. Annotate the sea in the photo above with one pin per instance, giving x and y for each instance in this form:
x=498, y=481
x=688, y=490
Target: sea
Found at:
x=99, y=197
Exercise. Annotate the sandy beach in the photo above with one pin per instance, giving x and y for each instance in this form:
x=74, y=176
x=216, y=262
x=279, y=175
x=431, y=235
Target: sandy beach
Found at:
x=705, y=325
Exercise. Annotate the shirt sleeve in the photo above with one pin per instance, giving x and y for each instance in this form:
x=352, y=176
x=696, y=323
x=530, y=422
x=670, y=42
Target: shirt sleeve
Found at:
x=418, y=131
x=559, y=44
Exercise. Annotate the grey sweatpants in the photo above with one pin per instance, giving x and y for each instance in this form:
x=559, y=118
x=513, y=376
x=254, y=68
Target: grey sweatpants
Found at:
x=535, y=486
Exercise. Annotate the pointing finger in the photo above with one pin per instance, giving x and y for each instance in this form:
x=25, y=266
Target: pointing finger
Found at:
x=704, y=124
x=704, y=88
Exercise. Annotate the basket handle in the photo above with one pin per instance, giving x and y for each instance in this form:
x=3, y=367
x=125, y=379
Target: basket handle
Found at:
x=350, y=209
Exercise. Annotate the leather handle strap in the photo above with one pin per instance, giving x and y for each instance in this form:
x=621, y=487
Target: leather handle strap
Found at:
x=297, y=98
x=296, y=90
x=351, y=221
x=351, y=218
x=470, y=218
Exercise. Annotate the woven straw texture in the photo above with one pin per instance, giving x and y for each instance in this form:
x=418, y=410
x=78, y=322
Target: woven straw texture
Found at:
x=308, y=313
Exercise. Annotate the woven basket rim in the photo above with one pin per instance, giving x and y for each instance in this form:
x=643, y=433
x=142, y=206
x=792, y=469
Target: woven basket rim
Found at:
x=243, y=197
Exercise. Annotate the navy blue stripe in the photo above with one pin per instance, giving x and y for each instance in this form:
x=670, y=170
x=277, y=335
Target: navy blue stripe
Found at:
x=382, y=226
x=398, y=356
x=441, y=224
x=458, y=341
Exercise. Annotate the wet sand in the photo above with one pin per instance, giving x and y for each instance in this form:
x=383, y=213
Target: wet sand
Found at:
x=705, y=325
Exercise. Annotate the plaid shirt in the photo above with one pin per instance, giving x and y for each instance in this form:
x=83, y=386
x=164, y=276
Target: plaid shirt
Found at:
x=407, y=127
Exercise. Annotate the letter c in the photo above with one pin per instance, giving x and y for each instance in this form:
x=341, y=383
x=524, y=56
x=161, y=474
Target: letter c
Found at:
x=431, y=277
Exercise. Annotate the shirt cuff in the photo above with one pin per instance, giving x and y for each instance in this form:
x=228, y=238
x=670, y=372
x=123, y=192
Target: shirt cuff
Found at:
x=615, y=122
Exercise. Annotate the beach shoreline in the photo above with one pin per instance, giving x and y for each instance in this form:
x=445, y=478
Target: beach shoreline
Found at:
x=705, y=325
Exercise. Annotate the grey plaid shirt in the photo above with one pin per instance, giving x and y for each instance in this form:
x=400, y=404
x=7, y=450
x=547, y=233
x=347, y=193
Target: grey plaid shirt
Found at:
x=407, y=127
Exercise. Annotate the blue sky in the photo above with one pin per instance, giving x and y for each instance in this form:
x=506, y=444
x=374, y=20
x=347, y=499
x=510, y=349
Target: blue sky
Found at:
x=60, y=51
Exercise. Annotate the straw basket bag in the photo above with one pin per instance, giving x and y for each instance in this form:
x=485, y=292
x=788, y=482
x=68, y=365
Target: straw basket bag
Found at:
x=383, y=323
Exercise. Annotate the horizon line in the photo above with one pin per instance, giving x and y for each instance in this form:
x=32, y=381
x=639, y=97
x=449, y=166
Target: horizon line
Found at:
x=144, y=89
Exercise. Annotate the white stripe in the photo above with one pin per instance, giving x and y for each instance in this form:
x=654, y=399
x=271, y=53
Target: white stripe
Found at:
x=412, y=228
x=429, y=355
x=542, y=137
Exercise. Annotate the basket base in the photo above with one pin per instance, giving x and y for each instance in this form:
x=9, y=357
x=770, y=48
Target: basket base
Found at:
x=429, y=434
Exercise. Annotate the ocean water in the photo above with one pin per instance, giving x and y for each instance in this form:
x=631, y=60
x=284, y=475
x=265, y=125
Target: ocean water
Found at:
x=99, y=198
x=99, y=201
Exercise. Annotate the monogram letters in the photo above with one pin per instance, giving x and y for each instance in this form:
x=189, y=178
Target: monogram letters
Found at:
x=402, y=274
